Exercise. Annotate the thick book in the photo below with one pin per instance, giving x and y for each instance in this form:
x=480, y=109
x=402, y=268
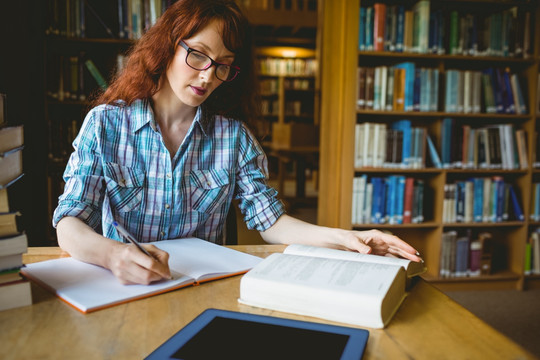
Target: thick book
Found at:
x=11, y=166
x=349, y=287
x=90, y=287
x=11, y=137
x=8, y=225
x=15, y=294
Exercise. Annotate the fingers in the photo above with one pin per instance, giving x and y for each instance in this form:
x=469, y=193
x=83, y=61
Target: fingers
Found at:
x=131, y=266
x=161, y=263
x=388, y=245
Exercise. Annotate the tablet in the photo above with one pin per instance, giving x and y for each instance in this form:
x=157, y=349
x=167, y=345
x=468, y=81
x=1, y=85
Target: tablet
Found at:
x=221, y=334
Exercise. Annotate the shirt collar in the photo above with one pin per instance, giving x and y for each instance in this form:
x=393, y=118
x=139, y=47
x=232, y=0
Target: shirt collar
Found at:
x=143, y=114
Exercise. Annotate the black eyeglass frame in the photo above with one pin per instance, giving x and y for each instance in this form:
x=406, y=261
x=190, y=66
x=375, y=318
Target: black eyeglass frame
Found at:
x=189, y=50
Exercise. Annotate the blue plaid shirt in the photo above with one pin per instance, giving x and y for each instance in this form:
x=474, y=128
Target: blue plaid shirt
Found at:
x=121, y=170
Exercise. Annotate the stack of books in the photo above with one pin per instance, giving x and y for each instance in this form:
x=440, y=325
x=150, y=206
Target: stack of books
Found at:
x=14, y=290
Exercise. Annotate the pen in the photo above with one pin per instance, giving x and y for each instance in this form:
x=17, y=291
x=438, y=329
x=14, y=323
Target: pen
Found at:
x=131, y=239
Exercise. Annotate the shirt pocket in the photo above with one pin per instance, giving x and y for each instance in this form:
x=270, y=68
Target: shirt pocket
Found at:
x=124, y=186
x=210, y=188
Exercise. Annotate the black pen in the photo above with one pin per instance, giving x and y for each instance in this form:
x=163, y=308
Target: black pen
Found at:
x=130, y=238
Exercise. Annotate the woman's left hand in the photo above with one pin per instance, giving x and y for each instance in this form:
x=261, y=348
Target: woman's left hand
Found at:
x=378, y=243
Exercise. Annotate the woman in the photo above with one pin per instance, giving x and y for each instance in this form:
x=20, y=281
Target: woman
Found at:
x=169, y=148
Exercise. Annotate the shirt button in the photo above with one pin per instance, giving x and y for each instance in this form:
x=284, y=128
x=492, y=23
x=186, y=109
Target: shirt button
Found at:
x=162, y=233
x=167, y=206
x=168, y=175
x=208, y=183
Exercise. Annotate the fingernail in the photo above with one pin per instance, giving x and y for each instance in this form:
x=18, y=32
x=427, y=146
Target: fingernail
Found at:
x=417, y=253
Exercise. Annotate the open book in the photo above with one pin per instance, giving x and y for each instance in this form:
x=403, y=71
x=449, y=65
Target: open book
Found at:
x=348, y=287
x=89, y=287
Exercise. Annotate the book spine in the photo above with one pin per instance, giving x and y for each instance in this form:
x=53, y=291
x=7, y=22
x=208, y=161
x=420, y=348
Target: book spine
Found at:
x=95, y=73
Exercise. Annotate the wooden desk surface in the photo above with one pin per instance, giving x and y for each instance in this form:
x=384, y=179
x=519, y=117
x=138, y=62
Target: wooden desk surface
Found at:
x=428, y=325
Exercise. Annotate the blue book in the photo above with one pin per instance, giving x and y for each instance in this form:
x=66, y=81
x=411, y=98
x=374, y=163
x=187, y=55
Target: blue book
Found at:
x=460, y=201
x=518, y=94
x=500, y=189
x=417, y=94
x=391, y=188
x=452, y=90
x=378, y=198
x=369, y=28
x=497, y=94
x=405, y=127
x=434, y=88
x=400, y=27
x=425, y=89
x=434, y=156
x=409, y=83
x=518, y=212
x=446, y=146
x=478, y=200
x=400, y=198
x=511, y=109
x=362, y=29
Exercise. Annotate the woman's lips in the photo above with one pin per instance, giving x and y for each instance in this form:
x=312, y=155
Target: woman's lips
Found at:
x=198, y=90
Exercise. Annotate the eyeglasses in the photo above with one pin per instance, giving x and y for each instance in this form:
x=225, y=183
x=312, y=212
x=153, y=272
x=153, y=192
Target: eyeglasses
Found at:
x=200, y=61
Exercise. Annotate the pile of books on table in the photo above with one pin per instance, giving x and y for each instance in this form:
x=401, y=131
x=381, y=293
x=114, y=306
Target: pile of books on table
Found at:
x=14, y=290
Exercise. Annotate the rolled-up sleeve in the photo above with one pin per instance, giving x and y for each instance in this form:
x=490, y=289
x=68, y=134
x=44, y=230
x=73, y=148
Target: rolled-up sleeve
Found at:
x=257, y=200
x=84, y=190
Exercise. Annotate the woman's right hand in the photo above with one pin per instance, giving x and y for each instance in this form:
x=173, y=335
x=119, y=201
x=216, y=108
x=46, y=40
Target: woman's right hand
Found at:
x=131, y=266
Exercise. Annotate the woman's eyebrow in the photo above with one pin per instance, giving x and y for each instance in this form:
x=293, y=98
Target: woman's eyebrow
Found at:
x=207, y=49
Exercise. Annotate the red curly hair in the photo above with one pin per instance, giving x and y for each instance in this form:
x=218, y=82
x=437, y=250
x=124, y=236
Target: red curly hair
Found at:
x=150, y=57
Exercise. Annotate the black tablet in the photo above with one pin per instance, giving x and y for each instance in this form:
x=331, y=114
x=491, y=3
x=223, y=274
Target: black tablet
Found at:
x=221, y=334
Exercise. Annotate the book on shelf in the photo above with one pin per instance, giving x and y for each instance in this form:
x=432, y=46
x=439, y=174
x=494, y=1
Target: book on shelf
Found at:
x=96, y=74
x=397, y=145
x=423, y=27
x=499, y=146
x=89, y=287
x=349, y=287
x=532, y=254
x=464, y=254
x=481, y=199
x=379, y=25
x=534, y=213
x=395, y=199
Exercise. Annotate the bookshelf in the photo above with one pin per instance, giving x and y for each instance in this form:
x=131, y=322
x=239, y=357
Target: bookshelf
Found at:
x=84, y=46
x=340, y=115
x=290, y=108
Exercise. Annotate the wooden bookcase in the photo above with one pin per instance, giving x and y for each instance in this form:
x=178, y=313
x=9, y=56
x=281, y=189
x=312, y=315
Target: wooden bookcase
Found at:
x=339, y=114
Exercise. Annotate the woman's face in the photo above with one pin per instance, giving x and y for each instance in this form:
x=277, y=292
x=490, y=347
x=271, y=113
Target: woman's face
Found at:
x=192, y=87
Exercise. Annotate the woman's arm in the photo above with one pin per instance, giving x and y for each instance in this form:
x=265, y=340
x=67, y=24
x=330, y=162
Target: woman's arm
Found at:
x=127, y=263
x=288, y=230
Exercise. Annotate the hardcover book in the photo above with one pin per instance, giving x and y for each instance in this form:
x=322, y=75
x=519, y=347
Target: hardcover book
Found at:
x=349, y=287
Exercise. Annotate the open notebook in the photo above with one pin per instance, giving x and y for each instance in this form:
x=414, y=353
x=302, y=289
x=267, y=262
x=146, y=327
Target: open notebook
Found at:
x=89, y=287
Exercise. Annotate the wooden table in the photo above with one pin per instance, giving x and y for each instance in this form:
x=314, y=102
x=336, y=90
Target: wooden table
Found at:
x=428, y=325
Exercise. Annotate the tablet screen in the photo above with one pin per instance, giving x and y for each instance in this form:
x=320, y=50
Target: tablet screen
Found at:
x=225, y=338
x=223, y=334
